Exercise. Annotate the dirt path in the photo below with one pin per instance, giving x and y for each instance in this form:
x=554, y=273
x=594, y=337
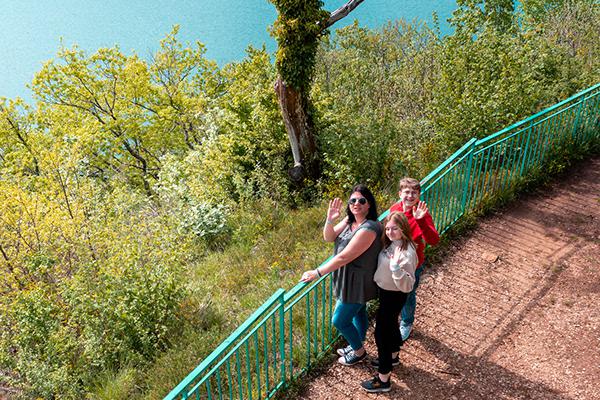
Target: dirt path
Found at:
x=513, y=313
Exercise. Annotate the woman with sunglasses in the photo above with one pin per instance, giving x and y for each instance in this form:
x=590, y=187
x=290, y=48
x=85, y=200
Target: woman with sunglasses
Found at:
x=356, y=247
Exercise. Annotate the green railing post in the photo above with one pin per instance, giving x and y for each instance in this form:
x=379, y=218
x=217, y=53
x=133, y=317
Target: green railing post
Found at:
x=525, y=152
x=576, y=123
x=282, y=337
x=308, y=330
x=467, y=181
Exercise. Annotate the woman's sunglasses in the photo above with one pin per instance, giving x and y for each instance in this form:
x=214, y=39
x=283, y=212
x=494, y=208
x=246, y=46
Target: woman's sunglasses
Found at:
x=361, y=200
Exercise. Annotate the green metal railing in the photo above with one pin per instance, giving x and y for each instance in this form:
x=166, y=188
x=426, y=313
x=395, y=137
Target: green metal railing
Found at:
x=484, y=168
x=291, y=330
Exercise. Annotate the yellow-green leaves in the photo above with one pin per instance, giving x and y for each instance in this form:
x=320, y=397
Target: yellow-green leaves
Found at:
x=126, y=112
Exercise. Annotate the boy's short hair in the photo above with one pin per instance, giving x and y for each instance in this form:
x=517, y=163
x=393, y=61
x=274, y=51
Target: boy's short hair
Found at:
x=410, y=183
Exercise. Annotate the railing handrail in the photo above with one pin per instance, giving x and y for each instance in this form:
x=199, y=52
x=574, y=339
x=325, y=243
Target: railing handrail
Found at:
x=533, y=117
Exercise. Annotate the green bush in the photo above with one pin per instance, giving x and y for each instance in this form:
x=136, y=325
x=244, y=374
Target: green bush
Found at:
x=95, y=321
x=371, y=93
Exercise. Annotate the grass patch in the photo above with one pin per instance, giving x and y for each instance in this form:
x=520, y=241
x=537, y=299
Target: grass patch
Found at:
x=120, y=385
x=241, y=277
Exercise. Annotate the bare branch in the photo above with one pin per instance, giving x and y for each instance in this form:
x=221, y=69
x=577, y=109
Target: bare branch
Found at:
x=342, y=12
x=5, y=256
x=143, y=106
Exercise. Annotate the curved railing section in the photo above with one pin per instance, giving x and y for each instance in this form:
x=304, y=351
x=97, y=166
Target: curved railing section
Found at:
x=293, y=329
x=484, y=168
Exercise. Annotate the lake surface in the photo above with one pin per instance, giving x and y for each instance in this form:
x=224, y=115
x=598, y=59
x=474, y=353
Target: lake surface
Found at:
x=31, y=31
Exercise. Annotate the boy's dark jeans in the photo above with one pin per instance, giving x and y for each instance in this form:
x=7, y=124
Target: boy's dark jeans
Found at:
x=408, y=311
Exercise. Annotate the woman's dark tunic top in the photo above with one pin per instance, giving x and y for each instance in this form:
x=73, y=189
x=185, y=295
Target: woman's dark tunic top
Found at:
x=353, y=283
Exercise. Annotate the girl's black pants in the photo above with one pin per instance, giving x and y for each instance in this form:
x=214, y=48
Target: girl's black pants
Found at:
x=387, y=329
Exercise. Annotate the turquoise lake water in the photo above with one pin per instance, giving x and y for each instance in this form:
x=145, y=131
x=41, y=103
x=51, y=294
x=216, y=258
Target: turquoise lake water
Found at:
x=32, y=30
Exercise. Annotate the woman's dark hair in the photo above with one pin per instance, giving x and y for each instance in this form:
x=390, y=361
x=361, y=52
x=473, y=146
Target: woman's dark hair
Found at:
x=372, y=214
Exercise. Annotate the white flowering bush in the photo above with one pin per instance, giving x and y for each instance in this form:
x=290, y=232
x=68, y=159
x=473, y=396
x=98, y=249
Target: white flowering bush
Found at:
x=206, y=221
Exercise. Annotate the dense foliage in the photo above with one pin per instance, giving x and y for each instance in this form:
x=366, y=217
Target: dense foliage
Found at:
x=298, y=26
x=401, y=99
x=135, y=188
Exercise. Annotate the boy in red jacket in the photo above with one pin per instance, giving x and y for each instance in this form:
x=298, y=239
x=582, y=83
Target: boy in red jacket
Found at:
x=423, y=232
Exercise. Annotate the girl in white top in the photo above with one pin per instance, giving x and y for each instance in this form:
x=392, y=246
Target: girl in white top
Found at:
x=395, y=277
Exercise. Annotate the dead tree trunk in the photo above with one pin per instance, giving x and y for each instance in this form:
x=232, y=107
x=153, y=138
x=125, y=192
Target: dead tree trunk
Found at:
x=300, y=130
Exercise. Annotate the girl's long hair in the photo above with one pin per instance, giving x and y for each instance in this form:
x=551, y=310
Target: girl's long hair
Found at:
x=400, y=219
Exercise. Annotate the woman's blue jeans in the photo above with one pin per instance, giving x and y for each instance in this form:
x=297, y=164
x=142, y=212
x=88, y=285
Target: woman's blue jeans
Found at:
x=350, y=319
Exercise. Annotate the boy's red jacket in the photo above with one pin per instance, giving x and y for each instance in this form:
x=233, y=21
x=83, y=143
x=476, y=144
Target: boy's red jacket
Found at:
x=423, y=230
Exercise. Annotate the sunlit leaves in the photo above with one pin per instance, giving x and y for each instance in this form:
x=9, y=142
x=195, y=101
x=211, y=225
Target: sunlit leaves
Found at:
x=127, y=112
x=20, y=142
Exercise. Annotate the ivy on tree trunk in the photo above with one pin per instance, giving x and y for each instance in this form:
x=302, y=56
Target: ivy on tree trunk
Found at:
x=297, y=29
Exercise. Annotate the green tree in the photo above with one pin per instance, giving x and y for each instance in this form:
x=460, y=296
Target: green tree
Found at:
x=474, y=16
x=244, y=155
x=535, y=11
x=371, y=91
x=125, y=113
x=573, y=27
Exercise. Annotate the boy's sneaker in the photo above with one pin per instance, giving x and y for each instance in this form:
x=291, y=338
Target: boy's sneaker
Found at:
x=375, y=385
x=351, y=358
x=344, y=350
x=405, y=331
x=395, y=361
